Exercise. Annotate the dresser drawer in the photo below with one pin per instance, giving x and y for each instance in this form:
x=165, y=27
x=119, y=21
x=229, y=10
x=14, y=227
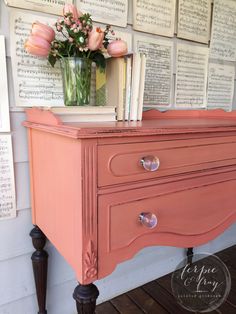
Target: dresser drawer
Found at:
x=123, y=162
x=185, y=218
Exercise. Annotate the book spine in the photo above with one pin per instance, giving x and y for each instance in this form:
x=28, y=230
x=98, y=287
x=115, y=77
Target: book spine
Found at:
x=122, y=92
x=135, y=87
x=141, y=86
x=128, y=87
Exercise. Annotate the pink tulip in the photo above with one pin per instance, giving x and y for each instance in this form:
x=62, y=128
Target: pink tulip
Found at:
x=44, y=31
x=95, y=38
x=71, y=8
x=37, y=46
x=117, y=48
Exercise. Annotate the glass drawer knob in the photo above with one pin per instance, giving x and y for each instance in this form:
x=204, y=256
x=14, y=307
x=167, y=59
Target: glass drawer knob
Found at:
x=149, y=220
x=150, y=163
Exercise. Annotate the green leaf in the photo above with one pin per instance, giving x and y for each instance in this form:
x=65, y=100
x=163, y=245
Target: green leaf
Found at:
x=99, y=59
x=52, y=60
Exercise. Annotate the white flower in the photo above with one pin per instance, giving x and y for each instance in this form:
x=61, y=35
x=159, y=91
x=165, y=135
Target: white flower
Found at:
x=81, y=40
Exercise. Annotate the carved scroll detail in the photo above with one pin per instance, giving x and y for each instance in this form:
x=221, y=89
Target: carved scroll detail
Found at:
x=90, y=262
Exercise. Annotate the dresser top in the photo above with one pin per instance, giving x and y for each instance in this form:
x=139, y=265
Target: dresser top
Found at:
x=154, y=123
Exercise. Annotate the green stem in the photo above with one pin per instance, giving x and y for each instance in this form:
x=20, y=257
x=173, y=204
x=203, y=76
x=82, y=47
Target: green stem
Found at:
x=70, y=49
x=59, y=55
x=89, y=54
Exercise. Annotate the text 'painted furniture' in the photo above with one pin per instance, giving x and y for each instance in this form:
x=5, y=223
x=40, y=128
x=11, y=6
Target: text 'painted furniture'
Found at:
x=103, y=191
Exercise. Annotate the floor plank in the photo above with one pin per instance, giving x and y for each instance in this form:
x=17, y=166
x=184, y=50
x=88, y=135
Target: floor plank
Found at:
x=163, y=297
x=156, y=297
x=227, y=308
x=228, y=256
x=145, y=302
x=165, y=282
x=106, y=308
x=125, y=305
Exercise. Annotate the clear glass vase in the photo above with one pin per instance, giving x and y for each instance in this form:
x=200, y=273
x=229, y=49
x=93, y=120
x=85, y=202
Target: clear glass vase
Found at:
x=76, y=77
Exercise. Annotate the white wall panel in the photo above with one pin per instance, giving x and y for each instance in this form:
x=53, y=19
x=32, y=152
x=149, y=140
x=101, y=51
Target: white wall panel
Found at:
x=16, y=279
x=23, y=306
x=14, y=235
x=130, y=12
x=10, y=85
x=4, y=22
x=19, y=137
x=59, y=302
x=16, y=276
x=22, y=185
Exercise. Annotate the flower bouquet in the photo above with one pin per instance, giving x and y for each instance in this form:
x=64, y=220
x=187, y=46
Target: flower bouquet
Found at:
x=76, y=43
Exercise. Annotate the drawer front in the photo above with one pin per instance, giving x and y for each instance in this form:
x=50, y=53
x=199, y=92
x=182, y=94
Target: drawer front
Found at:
x=185, y=218
x=123, y=163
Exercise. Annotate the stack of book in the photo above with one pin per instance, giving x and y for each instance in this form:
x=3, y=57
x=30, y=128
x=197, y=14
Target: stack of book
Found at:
x=85, y=113
x=125, y=78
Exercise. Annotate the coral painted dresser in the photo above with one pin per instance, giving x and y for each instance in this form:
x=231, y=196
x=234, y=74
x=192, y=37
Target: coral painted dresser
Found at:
x=103, y=191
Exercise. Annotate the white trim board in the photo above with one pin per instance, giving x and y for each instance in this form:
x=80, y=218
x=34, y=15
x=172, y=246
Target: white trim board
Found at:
x=4, y=101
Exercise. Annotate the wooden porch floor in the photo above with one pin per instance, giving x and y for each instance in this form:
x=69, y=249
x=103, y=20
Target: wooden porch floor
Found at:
x=156, y=297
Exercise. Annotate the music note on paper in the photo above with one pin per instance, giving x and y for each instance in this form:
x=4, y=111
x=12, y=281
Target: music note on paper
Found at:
x=154, y=16
x=220, y=86
x=223, y=37
x=4, y=102
x=159, y=70
x=36, y=83
x=191, y=76
x=47, y=6
x=106, y=11
x=194, y=18
x=7, y=183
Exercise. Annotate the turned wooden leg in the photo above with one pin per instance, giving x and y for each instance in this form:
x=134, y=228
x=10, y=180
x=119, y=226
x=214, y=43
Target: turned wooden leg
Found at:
x=40, y=265
x=85, y=297
x=190, y=255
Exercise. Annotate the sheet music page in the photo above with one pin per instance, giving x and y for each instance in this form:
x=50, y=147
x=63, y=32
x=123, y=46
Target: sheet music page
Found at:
x=36, y=83
x=7, y=183
x=194, y=18
x=47, y=6
x=4, y=101
x=159, y=70
x=113, y=12
x=191, y=76
x=220, y=86
x=154, y=16
x=223, y=37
